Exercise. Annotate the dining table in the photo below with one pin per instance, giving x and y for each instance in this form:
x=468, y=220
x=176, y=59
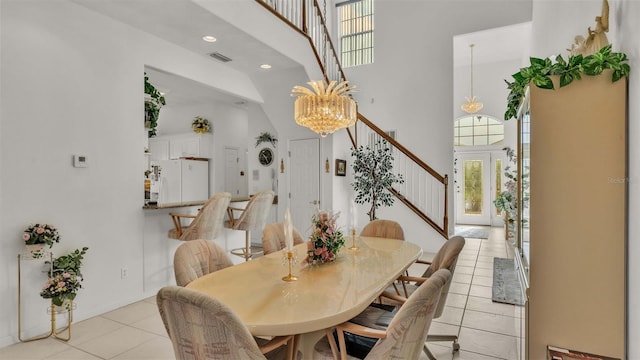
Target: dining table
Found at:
x=324, y=295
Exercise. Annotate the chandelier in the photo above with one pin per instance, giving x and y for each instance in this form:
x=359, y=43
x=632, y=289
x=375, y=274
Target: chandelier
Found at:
x=325, y=109
x=472, y=106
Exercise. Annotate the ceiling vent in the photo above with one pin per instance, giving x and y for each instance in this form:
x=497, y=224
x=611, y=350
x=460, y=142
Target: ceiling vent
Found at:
x=220, y=57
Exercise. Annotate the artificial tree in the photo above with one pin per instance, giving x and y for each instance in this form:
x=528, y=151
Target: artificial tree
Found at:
x=373, y=176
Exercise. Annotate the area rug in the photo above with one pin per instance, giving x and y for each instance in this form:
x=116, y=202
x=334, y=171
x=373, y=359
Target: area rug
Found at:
x=476, y=232
x=506, y=284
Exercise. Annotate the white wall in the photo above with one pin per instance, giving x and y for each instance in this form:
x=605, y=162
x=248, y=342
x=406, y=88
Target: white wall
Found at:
x=72, y=83
x=410, y=85
x=554, y=26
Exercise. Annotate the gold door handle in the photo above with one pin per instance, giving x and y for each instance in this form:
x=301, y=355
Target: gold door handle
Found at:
x=314, y=202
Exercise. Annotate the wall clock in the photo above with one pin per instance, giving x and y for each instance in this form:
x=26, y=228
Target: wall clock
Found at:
x=265, y=156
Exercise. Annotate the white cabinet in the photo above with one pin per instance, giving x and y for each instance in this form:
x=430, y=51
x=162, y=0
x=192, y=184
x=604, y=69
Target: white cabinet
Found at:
x=180, y=146
x=578, y=217
x=184, y=147
x=159, y=149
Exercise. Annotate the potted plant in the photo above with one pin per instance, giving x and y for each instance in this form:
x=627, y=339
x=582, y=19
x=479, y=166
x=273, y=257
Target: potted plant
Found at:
x=373, y=176
x=200, y=125
x=37, y=236
x=65, y=279
x=266, y=137
x=154, y=100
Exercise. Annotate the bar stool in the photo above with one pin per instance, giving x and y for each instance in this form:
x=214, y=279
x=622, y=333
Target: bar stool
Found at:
x=253, y=217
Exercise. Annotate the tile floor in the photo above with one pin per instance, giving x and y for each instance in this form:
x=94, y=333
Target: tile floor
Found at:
x=486, y=330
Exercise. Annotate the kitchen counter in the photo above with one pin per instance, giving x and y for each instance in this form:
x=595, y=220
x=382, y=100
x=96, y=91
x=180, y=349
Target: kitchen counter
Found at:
x=170, y=206
x=198, y=203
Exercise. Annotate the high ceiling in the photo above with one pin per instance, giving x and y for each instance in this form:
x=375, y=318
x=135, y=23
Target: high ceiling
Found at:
x=184, y=23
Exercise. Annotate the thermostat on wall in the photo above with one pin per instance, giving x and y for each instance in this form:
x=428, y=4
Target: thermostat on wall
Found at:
x=79, y=161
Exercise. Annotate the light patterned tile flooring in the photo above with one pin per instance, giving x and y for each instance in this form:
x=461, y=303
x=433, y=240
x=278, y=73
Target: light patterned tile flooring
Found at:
x=486, y=330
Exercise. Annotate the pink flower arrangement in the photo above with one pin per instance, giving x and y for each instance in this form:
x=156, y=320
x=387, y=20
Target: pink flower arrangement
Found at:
x=326, y=239
x=41, y=234
x=61, y=287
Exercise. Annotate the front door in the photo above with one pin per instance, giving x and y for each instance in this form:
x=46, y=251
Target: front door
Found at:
x=473, y=189
x=304, y=182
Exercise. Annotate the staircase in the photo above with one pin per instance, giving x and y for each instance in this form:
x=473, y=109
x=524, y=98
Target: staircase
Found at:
x=424, y=190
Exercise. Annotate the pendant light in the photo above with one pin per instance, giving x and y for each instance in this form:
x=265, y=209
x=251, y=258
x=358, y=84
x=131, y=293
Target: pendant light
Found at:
x=472, y=106
x=325, y=109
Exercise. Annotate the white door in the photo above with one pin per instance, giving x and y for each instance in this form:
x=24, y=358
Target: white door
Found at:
x=232, y=171
x=473, y=189
x=304, y=182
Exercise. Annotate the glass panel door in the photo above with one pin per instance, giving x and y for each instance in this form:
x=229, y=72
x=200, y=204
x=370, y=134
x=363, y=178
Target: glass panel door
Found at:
x=473, y=190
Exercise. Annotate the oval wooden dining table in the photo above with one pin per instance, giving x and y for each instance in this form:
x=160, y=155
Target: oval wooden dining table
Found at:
x=323, y=296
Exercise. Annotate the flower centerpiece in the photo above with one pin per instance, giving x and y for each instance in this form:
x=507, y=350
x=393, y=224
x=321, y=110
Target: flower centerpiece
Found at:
x=37, y=236
x=326, y=239
x=200, y=125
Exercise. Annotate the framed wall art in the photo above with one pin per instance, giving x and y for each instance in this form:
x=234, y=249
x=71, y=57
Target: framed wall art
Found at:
x=341, y=167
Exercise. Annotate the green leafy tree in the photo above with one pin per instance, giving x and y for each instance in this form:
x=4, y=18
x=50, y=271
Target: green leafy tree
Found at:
x=373, y=176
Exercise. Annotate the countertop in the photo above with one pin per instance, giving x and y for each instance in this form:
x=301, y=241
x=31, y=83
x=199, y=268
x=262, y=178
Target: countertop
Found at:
x=198, y=203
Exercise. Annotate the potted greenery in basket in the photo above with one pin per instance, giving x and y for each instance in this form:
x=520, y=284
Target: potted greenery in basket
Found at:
x=37, y=236
x=540, y=71
x=65, y=279
x=373, y=176
x=200, y=125
x=266, y=137
x=154, y=100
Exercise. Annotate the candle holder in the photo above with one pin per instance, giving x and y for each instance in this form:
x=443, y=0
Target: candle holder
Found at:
x=353, y=240
x=290, y=259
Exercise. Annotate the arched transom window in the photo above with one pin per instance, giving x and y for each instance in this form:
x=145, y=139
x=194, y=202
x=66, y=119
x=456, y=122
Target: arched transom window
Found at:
x=473, y=130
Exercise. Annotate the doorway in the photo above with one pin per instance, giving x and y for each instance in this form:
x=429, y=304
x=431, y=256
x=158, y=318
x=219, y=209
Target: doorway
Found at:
x=479, y=179
x=304, y=182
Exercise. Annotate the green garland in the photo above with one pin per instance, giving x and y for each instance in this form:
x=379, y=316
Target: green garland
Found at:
x=540, y=71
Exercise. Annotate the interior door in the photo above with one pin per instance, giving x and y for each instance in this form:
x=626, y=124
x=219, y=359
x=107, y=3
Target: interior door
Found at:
x=304, y=182
x=232, y=171
x=474, y=189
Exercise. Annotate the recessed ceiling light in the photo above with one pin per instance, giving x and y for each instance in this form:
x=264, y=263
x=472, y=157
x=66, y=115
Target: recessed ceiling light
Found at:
x=265, y=66
x=209, y=38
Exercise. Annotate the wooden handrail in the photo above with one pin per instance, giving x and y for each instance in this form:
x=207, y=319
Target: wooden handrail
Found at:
x=403, y=149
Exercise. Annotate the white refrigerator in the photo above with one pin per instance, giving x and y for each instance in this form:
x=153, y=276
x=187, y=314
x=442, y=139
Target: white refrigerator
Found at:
x=182, y=181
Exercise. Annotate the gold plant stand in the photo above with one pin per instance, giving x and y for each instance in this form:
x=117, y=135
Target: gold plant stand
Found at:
x=55, y=332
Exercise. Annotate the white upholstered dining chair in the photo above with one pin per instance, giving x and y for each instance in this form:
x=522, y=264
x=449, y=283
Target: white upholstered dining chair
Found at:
x=202, y=328
x=273, y=238
x=197, y=258
x=405, y=334
x=445, y=258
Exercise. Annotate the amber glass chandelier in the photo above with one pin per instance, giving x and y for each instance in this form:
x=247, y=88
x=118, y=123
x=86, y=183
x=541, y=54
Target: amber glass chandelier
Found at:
x=325, y=109
x=472, y=106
